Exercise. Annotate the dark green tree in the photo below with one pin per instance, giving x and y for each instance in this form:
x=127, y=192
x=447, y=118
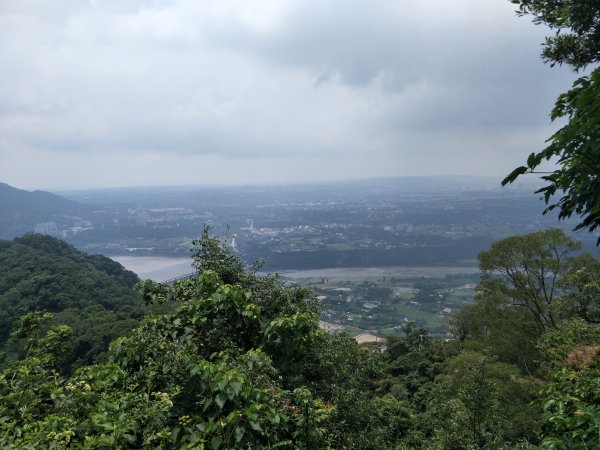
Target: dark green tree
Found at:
x=574, y=186
x=576, y=24
x=478, y=402
x=530, y=266
x=580, y=288
x=530, y=285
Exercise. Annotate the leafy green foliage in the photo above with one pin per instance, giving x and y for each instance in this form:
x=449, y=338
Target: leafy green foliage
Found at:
x=414, y=360
x=507, y=333
x=571, y=410
x=577, y=29
x=536, y=307
x=229, y=367
x=529, y=266
x=244, y=364
x=581, y=289
x=476, y=403
x=576, y=146
x=571, y=398
x=166, y=386
x=211, y=253
x=577, y=152
x=557, y=344
x=531, y=285
x=455, y=399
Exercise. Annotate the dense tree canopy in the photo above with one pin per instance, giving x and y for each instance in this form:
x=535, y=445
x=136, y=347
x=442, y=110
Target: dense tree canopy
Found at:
x=535, y=310
x=244, y=364
x=92, y=294
x=571, y=416
x=240, y=364
x=530, y=284
x=530, y=267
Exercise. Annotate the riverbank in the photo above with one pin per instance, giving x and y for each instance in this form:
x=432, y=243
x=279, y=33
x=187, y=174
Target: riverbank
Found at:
x=162, y=268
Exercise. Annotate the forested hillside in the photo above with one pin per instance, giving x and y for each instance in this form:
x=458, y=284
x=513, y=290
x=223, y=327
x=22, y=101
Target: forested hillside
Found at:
x=90, y=293
x=241, y=363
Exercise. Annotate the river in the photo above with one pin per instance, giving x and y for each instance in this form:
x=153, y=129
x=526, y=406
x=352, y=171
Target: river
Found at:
x=348, y=273
x=157, y=268
x=162, y=268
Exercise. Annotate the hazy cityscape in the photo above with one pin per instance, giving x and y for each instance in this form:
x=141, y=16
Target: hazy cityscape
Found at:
x=380, y=222
x=376, y=252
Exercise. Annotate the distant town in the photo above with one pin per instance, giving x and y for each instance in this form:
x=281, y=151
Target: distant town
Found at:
x=425, y=221
x=415, y=239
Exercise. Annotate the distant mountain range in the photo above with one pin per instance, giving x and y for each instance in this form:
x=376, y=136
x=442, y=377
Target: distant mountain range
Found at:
x=22, y=211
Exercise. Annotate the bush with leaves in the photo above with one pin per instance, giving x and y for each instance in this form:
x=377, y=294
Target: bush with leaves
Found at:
x=571, y=400
x=571, y=395
x=164, y=385
x=240, y=365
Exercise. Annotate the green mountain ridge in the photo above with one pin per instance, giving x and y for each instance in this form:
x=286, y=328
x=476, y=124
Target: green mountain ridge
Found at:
x=91, y=293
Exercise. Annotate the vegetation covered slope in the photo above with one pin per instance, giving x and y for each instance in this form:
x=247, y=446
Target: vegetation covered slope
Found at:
x=242, y=363
x=90, y=293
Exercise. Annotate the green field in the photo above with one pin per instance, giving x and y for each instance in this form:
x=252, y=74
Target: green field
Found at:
x=381, y=304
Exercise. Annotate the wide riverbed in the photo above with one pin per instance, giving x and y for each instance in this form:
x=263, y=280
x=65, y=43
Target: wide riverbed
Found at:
x=162, y=268
x=348, y=273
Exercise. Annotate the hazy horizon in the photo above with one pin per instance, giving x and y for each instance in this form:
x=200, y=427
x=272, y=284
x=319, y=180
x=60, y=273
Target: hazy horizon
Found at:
x=470, y=180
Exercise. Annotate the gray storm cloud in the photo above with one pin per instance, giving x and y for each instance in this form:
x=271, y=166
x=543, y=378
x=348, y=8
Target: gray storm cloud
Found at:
x=274, y=90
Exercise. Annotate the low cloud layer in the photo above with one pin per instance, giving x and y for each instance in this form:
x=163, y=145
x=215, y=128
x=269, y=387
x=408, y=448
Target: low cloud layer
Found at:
x=117, y=93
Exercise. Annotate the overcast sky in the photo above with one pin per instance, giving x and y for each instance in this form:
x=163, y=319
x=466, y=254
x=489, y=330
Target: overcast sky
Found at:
x=165, y=92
